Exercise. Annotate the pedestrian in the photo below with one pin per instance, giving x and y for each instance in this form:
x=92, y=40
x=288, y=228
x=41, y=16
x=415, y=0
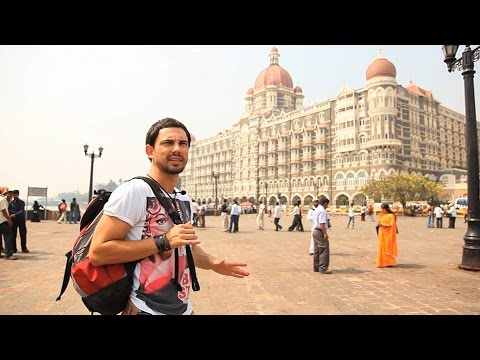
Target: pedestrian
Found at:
x=261, y=213
x=62, y=208
x=224, y=214
x=452, y=212
x=351, y=216
x=310, y=219
x=321, y=252
x=6, y=225
x=135, y=226
x=370, y=213
x=297, y=218
x=277, y=214
x=74, y=211
x=439, y=216
x=234, y=216
x=363, y=212
x=195, y=213
x=16, y=208
x=36, y=211
x=387, y=250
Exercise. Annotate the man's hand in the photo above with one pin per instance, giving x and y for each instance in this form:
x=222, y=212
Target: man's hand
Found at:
x=182, y=234
x=230, y=268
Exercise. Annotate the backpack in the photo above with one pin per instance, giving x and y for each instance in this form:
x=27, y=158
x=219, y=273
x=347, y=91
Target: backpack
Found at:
x=62, y=207
x=106, y=289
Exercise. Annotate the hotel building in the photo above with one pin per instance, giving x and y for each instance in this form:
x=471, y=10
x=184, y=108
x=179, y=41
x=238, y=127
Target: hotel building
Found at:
x=281, y=150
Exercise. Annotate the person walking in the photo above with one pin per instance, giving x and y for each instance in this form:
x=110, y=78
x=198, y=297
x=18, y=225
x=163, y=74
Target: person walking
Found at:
x=387, y=250
x=321, y=252
x=62, y=208
x=260, y=215
x=16, y=208
x=135, y=226
x=277, y=214
x=297, y=218
x=370, y=213
x=351, y=216
x=224, y=213
x=310, y=219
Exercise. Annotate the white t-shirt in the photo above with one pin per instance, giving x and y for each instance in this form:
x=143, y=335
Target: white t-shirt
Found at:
x=135, y=203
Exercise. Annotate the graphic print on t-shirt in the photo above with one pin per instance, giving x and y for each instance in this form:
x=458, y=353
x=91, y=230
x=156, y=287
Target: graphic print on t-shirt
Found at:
x=156, y=271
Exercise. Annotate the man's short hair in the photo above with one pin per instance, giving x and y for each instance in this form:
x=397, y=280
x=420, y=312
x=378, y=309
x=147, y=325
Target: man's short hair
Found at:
x=152, y=133
x=323, y=200
x=16, y=192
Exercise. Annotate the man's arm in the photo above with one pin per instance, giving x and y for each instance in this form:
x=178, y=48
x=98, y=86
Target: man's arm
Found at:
x=5, y=213
x=110, y=247
x=206, y=261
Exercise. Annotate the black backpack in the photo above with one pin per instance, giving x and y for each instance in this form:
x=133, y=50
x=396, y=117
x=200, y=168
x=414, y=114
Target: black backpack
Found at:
x=106, y=289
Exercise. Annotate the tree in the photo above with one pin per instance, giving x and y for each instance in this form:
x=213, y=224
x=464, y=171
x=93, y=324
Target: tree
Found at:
x=403, y=187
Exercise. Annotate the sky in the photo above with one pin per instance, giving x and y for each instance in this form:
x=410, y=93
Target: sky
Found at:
x=54, y=99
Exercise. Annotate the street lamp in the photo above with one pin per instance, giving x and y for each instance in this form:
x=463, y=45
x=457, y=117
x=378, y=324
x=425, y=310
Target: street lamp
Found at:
x=266, y=188
x=92, y=156
x=215, y=176
x=471, y=247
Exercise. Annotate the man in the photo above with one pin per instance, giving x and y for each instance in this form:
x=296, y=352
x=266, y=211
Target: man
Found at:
x=74, y=211
x=276, y=217
x=234, y=216
x=261, y=213
x=6, y=224
x=321, y=252
x=135, y=226
x=16, y=208
x=310, y=219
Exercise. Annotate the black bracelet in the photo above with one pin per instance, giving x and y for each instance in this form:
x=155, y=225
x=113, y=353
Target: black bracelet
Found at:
x=162, y=243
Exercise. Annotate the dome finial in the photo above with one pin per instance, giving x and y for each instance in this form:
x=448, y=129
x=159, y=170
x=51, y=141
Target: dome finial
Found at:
x=379, y=51
x=274, y=56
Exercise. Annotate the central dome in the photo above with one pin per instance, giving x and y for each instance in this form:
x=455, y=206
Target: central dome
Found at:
x=381, y=67
x=274, y=74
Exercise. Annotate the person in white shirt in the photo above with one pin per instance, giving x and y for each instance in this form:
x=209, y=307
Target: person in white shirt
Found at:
x=224, y=209
x=234, y=215
x=276, y=217
x=261, y=213
x=321, y=253
x=310, y=219
x=195, y=213
x=439, y=216
x=351, y=216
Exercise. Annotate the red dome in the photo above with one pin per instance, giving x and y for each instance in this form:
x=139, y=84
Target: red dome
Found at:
x=274, y=74
x=250, y=91
x=192, y=138
x=381, y=67
x=298, y=89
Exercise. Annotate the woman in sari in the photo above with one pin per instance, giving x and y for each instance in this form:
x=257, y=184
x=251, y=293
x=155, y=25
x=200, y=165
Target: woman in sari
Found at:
x=387, y=238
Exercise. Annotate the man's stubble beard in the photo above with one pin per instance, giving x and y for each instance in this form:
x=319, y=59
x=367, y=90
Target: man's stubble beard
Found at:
x=170, y=169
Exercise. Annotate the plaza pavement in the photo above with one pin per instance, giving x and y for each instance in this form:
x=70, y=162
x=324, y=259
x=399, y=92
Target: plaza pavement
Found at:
x=427, y=279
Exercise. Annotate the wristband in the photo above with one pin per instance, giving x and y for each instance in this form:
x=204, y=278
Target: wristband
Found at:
x=162, y=243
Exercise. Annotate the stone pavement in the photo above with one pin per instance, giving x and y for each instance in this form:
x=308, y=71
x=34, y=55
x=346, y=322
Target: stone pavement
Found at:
x=426, y=280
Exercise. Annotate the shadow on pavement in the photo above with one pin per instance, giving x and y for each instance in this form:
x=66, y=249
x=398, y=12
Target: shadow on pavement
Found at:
x=349, y=271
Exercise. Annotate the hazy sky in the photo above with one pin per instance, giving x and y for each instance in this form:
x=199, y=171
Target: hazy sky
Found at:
x=54, y=99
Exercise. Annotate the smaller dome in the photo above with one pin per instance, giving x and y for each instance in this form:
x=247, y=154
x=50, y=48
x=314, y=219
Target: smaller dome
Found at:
x=250, y=91
x=381, y=67
x=298, y=89
x=193, y=139
x=273, y=50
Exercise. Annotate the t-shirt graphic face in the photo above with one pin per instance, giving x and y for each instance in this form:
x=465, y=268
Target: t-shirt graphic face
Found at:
x=156, y=287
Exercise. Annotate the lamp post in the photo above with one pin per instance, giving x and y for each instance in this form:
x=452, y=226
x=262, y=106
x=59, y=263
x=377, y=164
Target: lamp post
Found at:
x=92, y=156
x=317, y=185
x=266, y=188
x=215, y=176
x=278, y=195
x=471, y=247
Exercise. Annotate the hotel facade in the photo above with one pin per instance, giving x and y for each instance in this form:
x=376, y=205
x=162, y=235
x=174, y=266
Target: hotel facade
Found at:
x=281, y=150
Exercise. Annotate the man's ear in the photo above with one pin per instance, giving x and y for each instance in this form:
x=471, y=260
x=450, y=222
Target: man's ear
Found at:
x=149, y=151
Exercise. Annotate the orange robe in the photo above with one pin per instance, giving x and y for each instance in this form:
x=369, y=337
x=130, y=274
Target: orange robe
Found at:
x=387, y=241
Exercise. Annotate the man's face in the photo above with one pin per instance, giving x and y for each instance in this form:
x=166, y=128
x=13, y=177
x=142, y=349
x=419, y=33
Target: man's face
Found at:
x=315, y=203
x=170, y=153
